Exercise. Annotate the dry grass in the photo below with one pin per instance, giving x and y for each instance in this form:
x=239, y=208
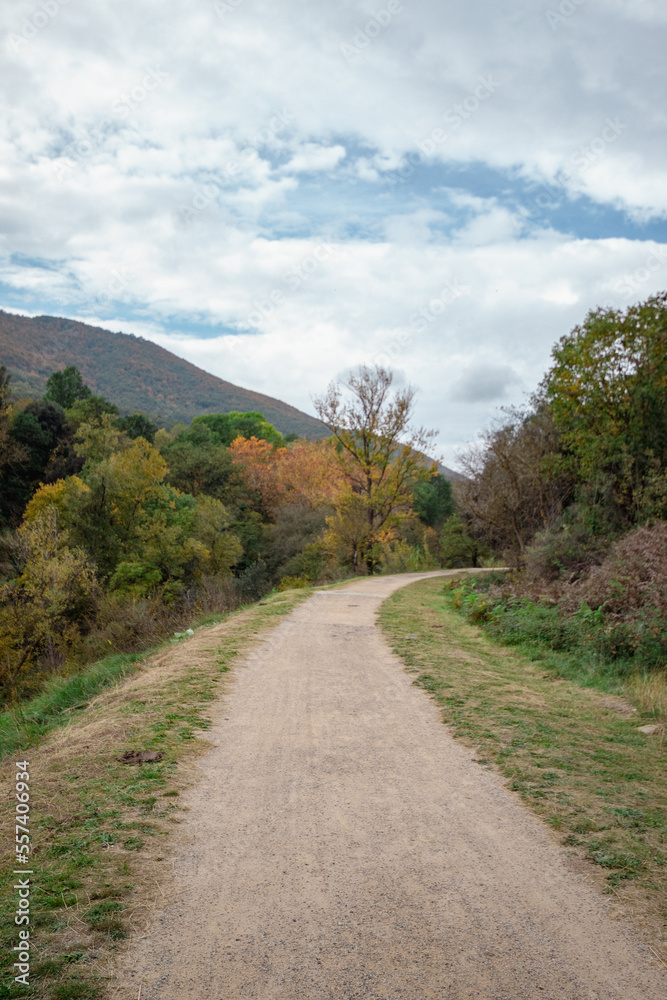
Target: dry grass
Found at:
x=101, y=828
x=649, y=692
x=574, y=755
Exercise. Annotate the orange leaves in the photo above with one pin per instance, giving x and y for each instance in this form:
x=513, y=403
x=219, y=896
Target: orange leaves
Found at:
x=309, y=471
x=260, y=461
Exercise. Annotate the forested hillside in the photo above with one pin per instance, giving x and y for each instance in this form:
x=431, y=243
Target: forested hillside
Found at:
x=133, y=373
x=114, y=532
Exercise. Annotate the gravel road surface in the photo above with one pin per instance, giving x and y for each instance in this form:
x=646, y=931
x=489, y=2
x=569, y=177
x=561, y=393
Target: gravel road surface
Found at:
x=341, y=844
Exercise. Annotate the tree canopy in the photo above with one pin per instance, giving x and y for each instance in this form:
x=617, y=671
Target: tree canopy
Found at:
x=588, y=460
x=381, y=454
x=113, y=528
x=66, y=387
x=607, y=392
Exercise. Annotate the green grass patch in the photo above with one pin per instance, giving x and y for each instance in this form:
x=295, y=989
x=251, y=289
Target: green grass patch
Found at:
x=571, y=753
x=24, y=726
x=100, y=828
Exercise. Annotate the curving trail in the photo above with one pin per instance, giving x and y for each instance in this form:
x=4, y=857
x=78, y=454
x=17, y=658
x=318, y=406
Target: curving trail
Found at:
x=342, y=845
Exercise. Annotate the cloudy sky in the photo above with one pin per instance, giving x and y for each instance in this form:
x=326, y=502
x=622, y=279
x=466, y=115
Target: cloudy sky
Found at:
x=280, y=191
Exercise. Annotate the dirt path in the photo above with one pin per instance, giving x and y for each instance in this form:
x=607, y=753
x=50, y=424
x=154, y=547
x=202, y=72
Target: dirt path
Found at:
x=342, y=845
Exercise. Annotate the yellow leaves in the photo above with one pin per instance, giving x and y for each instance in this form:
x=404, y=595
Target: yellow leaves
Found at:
x=221, y=549
x=49, y=562
x=128, y=480
x=194, y=550
x=139, y=467
x=98, y=441
x=65, y=496
x=56, y=588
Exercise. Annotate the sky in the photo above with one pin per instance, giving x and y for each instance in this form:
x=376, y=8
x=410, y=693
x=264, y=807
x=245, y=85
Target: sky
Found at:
x=282, y=192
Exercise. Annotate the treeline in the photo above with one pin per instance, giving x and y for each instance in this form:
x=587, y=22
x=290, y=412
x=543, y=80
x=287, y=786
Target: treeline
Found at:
x=573, y=493
x=115, y=532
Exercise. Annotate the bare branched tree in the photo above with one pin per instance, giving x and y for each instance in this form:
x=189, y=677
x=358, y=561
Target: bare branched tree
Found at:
x=382, y=455
x=513, y=487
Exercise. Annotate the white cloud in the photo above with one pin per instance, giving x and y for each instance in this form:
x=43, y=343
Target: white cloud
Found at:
x=231, y=169
x=312, y=157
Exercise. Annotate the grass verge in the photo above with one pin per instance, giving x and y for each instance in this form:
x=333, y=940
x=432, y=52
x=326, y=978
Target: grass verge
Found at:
x=572, y=753
x=100, y=828
x=27, y=724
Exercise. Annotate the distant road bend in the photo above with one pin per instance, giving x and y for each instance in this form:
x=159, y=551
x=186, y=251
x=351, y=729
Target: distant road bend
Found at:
x=341, y=844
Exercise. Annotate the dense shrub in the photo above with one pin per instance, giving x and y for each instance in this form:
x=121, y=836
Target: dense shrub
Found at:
x=633, y=577
x=569, y=547
x=615, y=615
x=458, y=547
x=254, y=582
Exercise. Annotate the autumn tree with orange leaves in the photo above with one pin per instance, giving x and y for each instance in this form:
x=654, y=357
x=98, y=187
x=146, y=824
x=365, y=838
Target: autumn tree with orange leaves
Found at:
x=308, y=472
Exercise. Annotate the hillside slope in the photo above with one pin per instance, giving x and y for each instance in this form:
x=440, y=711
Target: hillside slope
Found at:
x=133, y=373
x=136, y=374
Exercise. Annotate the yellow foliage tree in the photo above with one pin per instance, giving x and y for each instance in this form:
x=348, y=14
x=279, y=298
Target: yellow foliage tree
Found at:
x=44, y=609
x=66, y=497
x=381, y=457
x=223, y=549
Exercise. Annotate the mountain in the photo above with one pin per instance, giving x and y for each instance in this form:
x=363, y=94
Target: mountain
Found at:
x=131, y=372
x=136, y=374
x=454, y=477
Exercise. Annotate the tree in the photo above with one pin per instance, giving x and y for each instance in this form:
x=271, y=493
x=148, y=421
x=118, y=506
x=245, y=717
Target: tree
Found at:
x=39, y=428
x=66, y=498
x=11, y=451
x=211, y=529
x=99, y=440
x=433, y=500
x=382, y=457
x=198, y=462
x=513, y=487
x=311, y=473
x=607, y=391
x=12, y=458
x=66, y=387
x=260, y=463
x=229, y=426
x=5, y=391
x=34, y=434
x=138, y=425
x=45, y=609
x=458, y=548
x=143, y=534
x=90, y=410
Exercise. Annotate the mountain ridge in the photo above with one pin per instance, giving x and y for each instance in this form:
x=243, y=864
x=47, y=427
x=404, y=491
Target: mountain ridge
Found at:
x=133, y=373
x=136, y=374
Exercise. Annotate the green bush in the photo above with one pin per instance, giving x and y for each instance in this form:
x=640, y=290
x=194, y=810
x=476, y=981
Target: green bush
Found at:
x=606, y=643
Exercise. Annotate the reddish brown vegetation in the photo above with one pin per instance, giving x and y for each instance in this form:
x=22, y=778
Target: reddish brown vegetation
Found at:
x=633, y=576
